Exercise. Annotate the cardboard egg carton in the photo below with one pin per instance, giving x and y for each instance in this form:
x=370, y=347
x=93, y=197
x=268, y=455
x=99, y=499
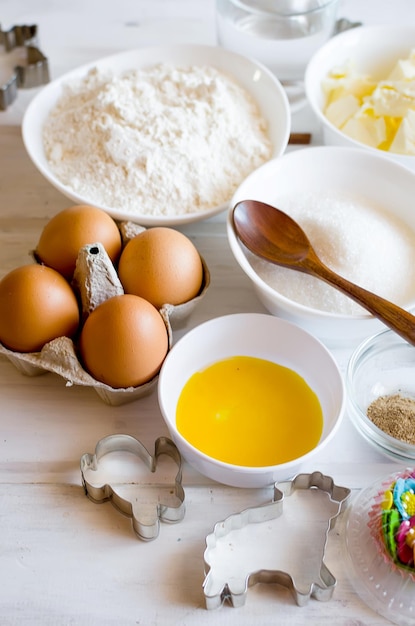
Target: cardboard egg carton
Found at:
x=96, y=280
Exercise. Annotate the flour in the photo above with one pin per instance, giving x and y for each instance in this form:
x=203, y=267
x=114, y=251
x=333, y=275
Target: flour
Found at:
x=164, y=140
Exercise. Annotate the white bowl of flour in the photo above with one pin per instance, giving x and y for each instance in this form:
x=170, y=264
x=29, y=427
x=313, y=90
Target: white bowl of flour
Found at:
x=158, y=135
x=357, y=209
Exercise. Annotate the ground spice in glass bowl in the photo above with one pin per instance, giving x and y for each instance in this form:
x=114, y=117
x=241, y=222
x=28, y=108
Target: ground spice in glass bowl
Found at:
x=395, y=415
x=380, y=385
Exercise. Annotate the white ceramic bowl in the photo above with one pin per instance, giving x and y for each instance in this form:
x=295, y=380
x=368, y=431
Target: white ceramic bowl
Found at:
x=373, y=50
x=323, y=170
x=253, y=77
x=262, y=336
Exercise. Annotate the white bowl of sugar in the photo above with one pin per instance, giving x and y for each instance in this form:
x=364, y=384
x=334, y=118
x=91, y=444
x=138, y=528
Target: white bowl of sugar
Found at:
x=357, y=210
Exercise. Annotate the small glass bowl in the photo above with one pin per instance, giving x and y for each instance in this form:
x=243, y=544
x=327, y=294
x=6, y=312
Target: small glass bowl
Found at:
x=382, y=365
x=282, y=35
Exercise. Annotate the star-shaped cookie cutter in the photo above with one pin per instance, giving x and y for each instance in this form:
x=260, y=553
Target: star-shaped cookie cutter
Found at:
x=281, y=542
x=126, y=444
x=34, y=73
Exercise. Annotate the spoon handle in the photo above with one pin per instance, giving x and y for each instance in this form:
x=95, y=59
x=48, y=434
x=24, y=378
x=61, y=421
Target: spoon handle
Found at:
x=396, y=318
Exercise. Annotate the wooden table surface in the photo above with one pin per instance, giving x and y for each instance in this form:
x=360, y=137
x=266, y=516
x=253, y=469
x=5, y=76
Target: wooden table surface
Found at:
x=63, y=559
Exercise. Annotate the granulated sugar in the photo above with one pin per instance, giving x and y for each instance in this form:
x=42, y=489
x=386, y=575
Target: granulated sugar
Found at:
x=356, y=239
x=164, y=140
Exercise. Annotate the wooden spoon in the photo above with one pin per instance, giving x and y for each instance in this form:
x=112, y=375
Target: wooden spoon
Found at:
x=276, y=237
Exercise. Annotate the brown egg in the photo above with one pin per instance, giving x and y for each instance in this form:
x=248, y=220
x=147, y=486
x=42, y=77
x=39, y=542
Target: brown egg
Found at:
x=124, y=341
x=36, y=305
x=161, y=265
x=71, y=229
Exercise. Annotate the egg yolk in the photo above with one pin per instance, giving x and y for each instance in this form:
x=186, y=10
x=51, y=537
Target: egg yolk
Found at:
x=249, y=411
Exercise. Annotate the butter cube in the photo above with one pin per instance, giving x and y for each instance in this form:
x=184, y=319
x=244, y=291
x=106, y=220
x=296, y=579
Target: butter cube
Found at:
x=339, y=111
x=387, y=100
x=404, y=141
x=366, y=129
x=406, y=87
x=348, y=82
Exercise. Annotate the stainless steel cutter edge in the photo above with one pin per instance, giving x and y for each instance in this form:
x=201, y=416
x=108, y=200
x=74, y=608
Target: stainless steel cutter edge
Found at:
x=127, y=443
x=34, y=74
x=268, y=511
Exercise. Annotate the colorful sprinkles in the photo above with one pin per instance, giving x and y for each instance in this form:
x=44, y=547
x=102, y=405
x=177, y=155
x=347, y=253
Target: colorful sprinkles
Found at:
x=398, y=521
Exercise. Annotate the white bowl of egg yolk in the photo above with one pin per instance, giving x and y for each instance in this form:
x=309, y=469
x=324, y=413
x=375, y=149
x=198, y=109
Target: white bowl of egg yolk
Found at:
x=248, y=398
x=360, y=85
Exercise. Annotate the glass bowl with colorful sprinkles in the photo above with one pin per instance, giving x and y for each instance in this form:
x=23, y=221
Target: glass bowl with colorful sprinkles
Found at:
x=380, y=546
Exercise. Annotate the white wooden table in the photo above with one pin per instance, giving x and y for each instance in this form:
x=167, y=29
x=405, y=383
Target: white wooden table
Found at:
x=64, y=560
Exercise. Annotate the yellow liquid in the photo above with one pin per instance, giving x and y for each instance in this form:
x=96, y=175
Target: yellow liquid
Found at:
x=249, y=411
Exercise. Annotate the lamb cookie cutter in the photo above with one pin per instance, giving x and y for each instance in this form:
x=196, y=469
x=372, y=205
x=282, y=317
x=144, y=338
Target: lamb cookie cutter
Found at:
x=280, y=542
x=126, y=447
x=33, y=73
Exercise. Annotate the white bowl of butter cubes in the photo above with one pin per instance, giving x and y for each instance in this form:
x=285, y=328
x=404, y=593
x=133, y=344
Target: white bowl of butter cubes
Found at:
x=361, y=87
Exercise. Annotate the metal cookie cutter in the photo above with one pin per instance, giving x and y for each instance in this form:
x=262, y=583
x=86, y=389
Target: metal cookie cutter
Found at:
x=280, y=542
x=33, y=73
x=126, y=449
